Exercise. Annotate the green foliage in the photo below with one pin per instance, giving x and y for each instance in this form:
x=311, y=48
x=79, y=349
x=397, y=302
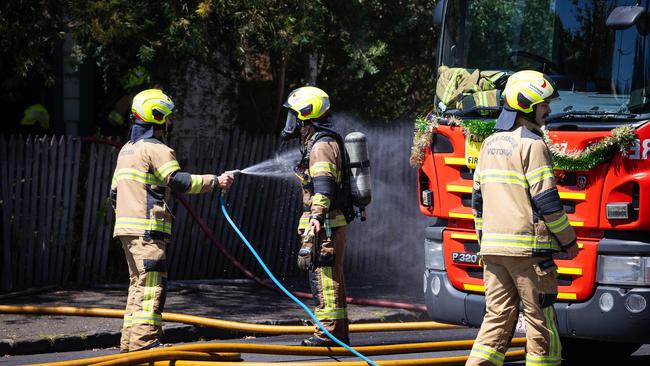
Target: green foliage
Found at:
x=375, y=57
x=497, y=26
x=388, y=58
x=31, y=32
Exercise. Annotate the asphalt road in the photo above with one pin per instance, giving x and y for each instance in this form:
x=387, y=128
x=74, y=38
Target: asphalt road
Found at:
x=641, y=357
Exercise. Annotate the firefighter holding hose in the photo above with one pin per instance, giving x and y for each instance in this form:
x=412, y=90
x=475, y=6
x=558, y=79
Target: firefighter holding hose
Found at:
x=521, y=224
x=146, y=174
x=323, y=223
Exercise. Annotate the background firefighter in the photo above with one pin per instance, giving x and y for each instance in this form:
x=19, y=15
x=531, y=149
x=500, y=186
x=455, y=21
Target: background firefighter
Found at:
x=520, y=224
x=320, y=172
x=145, y=176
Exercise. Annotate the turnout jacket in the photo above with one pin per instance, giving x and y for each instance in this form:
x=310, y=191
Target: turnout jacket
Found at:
x=319, y=181
x=515, y=201
x=145, y=175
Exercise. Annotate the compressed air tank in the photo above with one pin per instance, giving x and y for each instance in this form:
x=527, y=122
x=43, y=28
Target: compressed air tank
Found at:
x=356, y=146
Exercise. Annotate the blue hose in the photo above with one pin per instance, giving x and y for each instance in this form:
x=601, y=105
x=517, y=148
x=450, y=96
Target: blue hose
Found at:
x=295, y=299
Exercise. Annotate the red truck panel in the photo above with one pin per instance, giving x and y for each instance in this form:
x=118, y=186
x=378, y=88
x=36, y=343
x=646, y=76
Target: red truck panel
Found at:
x=576, y=276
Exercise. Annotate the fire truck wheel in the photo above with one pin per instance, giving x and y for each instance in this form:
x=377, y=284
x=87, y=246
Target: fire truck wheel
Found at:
x=577, y=351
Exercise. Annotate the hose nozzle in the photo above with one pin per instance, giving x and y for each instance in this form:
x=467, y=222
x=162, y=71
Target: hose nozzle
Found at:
x=233, y=173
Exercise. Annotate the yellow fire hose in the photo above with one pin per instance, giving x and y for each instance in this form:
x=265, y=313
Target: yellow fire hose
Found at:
x=129, y=359
x=221, y=353
x=230, y=349
x=454, y=360
x=218, y=323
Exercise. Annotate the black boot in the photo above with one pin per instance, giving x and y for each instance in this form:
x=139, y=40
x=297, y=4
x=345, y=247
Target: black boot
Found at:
x=315, y=341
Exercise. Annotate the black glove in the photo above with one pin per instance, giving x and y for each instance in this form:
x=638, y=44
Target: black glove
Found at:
x=307, y=255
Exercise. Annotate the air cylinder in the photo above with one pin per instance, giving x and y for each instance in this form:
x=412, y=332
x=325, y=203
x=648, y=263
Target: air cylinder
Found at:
x=356, y=146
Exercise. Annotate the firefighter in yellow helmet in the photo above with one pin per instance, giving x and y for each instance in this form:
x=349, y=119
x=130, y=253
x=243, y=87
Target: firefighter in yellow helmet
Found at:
x=146, y=174
x=521, y=224
x=36, y=118
x=320, y=172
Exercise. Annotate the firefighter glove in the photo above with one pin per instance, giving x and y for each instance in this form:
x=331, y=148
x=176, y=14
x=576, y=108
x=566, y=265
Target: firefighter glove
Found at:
x=308, y=251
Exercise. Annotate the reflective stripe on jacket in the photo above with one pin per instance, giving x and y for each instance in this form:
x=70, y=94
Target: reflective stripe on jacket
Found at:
x=141, y=188
x=515, y=200
x=325, y=161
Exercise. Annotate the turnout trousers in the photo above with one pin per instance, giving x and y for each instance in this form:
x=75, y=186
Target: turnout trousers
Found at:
x=328, y=285
x=142, y=327
x=509, y=281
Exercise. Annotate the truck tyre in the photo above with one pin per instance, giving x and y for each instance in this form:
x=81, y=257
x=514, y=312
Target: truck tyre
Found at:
x=576, y=351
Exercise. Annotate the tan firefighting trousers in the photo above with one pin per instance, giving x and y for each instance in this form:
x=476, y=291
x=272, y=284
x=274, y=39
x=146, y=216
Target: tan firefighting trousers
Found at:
x=147, y=290
x=509, y=280
x=328, y=286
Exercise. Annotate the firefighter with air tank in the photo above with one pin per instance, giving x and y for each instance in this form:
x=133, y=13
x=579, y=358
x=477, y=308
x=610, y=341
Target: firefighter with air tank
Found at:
x=146, y=174
x=332, y=181
x=521, y=224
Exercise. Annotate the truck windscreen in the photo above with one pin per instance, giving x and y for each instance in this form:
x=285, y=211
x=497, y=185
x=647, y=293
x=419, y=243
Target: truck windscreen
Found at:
x=595, y=67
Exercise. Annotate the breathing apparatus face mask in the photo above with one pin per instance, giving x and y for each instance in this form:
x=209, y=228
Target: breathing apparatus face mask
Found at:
x=291, y=126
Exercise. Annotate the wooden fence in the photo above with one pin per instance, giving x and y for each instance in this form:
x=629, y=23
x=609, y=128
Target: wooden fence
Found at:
x=57, y=223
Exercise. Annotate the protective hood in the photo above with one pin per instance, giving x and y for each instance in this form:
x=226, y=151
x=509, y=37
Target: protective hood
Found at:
x=141, y=130
x=506, y=119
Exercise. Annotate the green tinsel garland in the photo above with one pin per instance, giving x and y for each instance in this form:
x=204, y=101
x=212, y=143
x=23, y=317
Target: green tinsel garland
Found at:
x=424, y=129
x=478, y=129
x=593, y=155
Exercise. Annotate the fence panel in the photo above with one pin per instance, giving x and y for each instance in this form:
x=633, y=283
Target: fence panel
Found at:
x=34, y=183
x=47, y=241
x=6, y=171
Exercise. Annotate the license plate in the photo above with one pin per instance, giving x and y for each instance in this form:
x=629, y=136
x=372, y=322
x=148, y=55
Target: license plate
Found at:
x=472, y=149
x=465, y=258
x=521, y=324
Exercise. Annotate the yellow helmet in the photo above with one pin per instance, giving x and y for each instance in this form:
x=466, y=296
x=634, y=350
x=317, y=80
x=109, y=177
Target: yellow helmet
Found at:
x=36, y=113
x=308, y=102
x=523, y=91
x=152, y=106
x=527, y=88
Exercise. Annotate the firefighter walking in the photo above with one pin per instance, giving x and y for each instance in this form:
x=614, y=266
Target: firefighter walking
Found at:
x=146, y=174
x=320, y=172
x=521, y=224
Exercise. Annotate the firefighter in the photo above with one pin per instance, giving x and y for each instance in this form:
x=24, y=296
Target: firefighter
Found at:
x=36, y=119
x=146, y=174
x=320, y=172
x=521, y=224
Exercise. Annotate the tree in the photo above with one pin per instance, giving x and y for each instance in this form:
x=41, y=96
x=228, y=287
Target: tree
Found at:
x=31, y=33
x=374, y=57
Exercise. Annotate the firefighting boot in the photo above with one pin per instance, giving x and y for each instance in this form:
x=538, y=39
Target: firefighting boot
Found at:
x=315, y=341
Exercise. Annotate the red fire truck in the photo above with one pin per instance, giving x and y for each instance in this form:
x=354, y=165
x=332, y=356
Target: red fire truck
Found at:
x=598, y=53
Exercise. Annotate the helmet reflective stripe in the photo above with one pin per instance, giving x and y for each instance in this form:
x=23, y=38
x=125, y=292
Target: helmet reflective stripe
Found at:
x=525, y=89
x=308, y=102
x=152, y=106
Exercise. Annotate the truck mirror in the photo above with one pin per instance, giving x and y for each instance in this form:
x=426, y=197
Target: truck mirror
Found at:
x=623, y=17
x=437, y=14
